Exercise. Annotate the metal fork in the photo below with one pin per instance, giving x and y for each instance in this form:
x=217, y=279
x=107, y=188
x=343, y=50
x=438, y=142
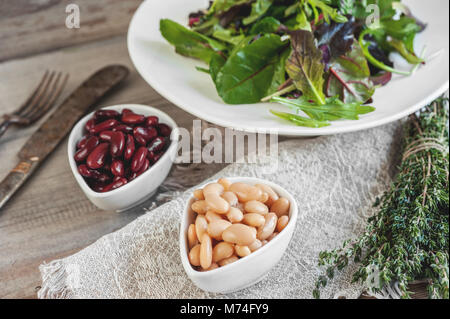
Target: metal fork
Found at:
x=38, y=104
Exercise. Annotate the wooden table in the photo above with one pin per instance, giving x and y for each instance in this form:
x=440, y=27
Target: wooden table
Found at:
x=50, y=217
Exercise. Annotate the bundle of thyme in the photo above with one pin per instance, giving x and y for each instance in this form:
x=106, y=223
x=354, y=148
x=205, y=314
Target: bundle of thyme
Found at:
x=408, y=239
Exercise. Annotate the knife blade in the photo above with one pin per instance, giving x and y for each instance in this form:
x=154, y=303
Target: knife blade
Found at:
x=58, y=125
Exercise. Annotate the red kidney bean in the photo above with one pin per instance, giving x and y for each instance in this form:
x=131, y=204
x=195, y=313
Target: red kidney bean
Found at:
x=139, y=159
x=82, y=142
x=143, y=169
x=97, y=157
x=116, y=178
x=123, y=128
x=117, y=144
x=126, y=111
x=102, y=115
x=164, y=130
x=130, y=147
x=90, y=125
x=151, y=156
x=84, y=152
x=114, y=185
x=106, y=168
x=102, y=178
x=97, y=187
x=132, y=118
x=103, y=126
x=106, y=136
x=85, y=171
x=157, y=157
x=118, y=168
x=157, y=144
x=143, y=135
x=151, y=121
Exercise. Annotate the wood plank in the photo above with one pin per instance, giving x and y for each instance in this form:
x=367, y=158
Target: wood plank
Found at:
x=29, y=27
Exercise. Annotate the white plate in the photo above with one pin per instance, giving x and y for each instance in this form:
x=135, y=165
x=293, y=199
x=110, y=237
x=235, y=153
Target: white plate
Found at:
x=176, y=78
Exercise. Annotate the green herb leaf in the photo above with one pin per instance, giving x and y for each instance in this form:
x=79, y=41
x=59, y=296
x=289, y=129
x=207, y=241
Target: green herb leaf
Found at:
x=408, y=238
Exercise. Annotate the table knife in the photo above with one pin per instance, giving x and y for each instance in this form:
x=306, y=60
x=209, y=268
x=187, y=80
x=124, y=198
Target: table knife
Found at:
x=58, y=125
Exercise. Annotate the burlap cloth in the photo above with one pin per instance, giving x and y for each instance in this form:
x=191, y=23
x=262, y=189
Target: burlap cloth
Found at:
x=335, y=180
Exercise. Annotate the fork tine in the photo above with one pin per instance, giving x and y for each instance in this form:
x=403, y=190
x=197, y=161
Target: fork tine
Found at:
x=36, y=100
x=33, y=95
x=48, y=102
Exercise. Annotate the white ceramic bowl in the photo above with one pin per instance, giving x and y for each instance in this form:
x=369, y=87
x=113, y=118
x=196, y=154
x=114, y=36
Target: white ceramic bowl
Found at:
x=143, y=187
x=246, y=271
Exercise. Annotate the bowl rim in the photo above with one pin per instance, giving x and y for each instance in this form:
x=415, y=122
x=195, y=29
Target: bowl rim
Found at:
x=136, y=108
x=184, y=251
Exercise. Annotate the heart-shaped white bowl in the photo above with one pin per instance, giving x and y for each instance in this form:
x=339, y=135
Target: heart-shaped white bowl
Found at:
x=143, y=187
x=246, y=271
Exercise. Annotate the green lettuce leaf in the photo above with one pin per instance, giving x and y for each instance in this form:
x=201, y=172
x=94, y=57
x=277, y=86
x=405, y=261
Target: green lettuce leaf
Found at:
x=248, y=73
x=189, y=43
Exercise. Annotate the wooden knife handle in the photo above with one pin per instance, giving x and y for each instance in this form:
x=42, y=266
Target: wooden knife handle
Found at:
x=15, y=179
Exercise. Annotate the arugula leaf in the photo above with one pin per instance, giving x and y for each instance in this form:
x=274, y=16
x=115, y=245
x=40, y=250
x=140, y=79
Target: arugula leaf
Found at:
x=333, y=108
x=305, y=66
x=300, y=120
x=259, y=8
x=248, y=73
x=350, y=77
x=329, y=13
x=347, y=6
x=401, y=48
x=189, y=43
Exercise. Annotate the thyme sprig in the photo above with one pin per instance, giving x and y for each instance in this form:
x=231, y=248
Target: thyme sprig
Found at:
x=408, y=239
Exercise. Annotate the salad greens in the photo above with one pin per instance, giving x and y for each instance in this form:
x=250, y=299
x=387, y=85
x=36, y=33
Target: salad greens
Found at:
x=324, y=58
